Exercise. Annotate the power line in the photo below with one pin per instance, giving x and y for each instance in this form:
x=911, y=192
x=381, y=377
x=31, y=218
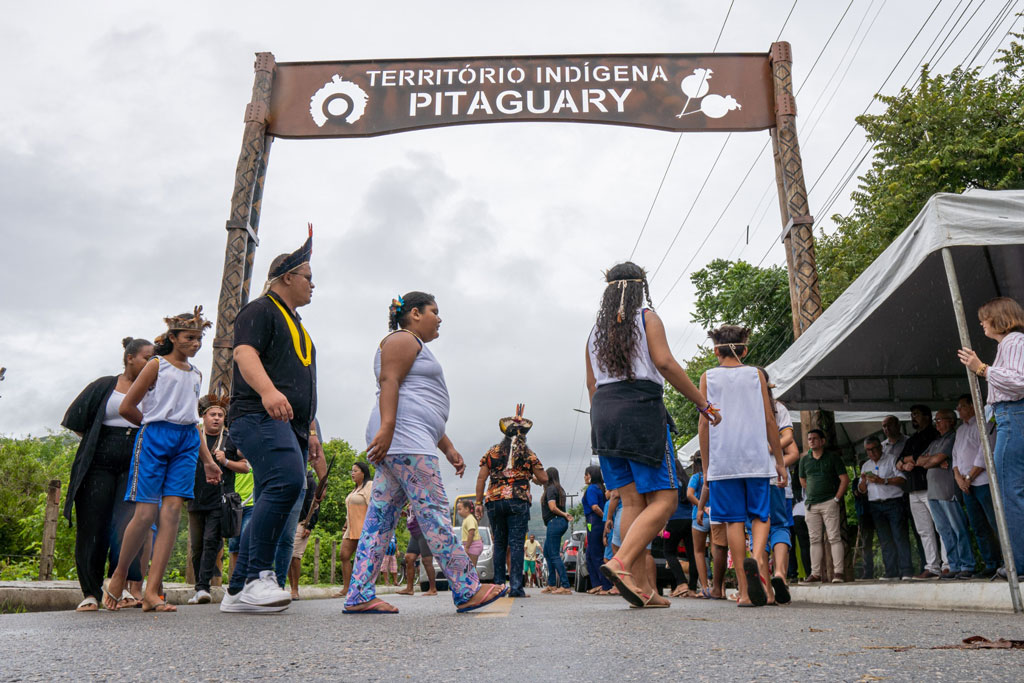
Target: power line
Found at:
x=722, y=30
x=756, y=159
x=679, y=139
x=786, y=22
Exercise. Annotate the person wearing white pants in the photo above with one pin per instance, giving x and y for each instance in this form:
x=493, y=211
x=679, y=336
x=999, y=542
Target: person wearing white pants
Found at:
x=917, y=478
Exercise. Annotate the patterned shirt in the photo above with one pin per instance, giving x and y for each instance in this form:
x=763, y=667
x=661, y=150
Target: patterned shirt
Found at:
x=511, y=484
x=1006, y=374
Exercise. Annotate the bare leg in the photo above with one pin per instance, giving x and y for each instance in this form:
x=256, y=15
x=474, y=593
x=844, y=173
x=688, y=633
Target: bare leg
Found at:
x=294, y=571
x=134, y=536
x=759, y=535
x=700, y=542
x=719, y=560
x=167, y=532
x=428, y=565
x=643, y=516
x=410, y=577
x=234, y=558
x=348, y=548
x=738, y=547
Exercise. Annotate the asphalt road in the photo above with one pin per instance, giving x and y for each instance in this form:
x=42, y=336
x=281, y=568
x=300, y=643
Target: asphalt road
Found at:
x=571, y=638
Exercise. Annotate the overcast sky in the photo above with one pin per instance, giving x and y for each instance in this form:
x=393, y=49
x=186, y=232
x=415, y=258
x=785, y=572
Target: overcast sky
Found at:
x=121, y=130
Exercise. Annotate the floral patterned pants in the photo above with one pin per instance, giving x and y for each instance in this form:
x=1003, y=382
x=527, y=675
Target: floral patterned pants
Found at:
x=416, y=479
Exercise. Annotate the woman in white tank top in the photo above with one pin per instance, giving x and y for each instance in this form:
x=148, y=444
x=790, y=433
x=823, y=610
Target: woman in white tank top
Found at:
x=736, y=470
x=404, y=433
x=628, y=361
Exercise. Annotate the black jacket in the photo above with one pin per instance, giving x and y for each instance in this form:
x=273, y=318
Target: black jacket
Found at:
x=86, y=417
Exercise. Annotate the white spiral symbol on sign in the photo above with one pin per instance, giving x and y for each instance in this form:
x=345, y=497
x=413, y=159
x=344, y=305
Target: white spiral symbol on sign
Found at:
x=338, y=101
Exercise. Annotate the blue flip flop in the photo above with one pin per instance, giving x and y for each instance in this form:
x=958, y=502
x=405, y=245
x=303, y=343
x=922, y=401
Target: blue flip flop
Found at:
x=371, y=610
x=470, y=608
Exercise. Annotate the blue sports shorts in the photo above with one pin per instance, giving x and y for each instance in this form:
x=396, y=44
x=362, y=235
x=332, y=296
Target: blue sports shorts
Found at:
x=618, y=472
x=163, y=462
x=740, y=500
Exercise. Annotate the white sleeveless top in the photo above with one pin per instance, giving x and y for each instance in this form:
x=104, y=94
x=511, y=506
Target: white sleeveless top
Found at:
x=738, y=444
x=111, y=415
x=174, y=397
x=422, y=406
x=643, y=366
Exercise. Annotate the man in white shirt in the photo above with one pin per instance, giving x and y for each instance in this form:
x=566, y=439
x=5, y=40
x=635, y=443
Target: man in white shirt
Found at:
x=972, y=478
x=883, y=484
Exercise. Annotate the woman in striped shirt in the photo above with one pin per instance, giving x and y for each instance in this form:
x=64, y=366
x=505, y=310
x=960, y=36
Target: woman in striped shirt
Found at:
x=1002, y=319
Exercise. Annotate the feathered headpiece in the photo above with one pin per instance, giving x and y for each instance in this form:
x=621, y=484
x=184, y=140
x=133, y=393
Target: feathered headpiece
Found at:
x=212, y=401
x=196, y=321
x=516, y=420
x=295, y=259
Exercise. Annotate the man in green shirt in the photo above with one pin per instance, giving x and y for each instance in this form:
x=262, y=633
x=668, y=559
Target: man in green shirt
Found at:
x=824, y=480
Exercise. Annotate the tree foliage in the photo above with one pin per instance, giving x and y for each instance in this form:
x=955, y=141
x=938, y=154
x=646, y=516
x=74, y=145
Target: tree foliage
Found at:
x=951, y=133
x=735, y=293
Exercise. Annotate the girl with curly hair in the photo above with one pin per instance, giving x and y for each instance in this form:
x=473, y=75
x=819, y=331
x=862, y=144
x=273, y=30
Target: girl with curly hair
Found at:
x=628, y=360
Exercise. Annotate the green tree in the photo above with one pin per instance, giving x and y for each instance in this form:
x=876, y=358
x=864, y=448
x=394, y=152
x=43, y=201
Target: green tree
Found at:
x=735, y=293
x=950, y=133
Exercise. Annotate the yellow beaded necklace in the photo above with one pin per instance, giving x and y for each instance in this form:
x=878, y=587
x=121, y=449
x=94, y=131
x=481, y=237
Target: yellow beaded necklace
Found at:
x=308, y=357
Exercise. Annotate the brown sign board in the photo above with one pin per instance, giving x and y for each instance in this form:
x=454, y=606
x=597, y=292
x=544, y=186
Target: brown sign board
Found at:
x=675, y=92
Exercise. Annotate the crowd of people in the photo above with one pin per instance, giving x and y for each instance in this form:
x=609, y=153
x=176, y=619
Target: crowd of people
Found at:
x=151, y=443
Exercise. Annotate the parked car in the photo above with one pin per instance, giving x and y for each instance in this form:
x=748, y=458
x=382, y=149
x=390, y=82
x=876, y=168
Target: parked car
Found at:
x=574, y=557
x=484, y=563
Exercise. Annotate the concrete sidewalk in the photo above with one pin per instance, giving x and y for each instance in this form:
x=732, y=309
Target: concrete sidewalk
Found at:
x=49, y=596
x=963, y=596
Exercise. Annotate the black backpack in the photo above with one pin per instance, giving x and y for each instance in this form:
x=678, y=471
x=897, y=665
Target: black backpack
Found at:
x=230, y=513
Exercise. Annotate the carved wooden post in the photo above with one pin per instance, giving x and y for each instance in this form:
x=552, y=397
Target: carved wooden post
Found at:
x=316, y=560
x=49, y=530
x=798, y=234
x=243, y=221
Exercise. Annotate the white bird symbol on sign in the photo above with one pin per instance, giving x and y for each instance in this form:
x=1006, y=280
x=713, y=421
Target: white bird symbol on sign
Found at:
x=695, y=86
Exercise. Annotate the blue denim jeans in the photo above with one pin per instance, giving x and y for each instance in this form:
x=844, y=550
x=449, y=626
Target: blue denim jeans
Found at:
x=233, y=543
x=951, y=523
x=890, y=519
x=1009, y=457
x=982, y=516
x=286, y=543
x=509, y=519
x=553, y=552
x=278, y=467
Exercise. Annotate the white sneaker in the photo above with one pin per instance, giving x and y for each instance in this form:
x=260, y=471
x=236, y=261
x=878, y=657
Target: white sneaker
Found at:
x=201, y=597
x=264, y=592
x=233, y=603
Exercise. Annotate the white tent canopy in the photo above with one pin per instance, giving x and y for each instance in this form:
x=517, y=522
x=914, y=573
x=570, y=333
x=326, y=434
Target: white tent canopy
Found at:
x=890, y=340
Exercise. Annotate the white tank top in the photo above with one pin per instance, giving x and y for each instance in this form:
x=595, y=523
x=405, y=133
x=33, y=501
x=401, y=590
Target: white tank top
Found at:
x=643, y=366
x=738, y=444
x=111, y=416
x=174, y=397
x=422, y=406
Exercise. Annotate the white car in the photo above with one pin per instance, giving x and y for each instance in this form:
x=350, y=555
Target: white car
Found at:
x=484, y=563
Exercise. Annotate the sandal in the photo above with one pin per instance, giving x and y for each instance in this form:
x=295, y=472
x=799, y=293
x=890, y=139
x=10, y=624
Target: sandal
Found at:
x=372, y=607
x=647, y=602
x=782, y=596
x=493, y=593
x=703, y=594
x=109, y=601
x=615, y=576
x=755, y=587
x=162, y=606
x=90, y=604
x=128, y=600
x=680, y=592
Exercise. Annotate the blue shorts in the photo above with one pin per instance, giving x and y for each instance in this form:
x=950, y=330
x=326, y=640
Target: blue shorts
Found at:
x=619, y=472
x=739, y=500
x=163, y=462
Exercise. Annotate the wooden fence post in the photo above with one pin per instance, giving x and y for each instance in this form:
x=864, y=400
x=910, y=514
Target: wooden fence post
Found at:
x=334, y=559
x=50, y=530
x=316, y=560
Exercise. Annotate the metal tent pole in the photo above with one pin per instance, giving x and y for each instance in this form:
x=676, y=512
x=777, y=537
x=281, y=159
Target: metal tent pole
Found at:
x=979, y=411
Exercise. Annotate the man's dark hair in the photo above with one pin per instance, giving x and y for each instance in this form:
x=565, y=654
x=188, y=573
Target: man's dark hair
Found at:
x=872, y=440
x=965, y=397
x=818, y=432
x=921, y=408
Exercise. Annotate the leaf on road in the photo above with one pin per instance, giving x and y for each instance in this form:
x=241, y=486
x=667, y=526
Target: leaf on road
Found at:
x=983, y=643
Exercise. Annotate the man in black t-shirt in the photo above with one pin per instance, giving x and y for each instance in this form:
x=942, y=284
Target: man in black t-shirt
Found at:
x=204, y=511
x=273, y=422
x=917, y=486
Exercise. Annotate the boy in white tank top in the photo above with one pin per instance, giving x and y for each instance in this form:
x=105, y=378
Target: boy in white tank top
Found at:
x=737, y=465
